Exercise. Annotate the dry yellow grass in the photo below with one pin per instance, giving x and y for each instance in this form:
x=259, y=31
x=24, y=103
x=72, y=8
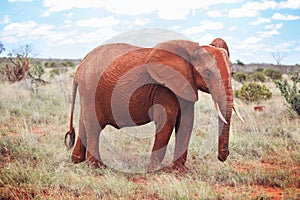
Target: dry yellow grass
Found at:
x=264, y=161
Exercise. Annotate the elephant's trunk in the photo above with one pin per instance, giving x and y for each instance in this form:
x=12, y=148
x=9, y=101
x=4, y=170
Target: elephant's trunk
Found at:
x=225, y=103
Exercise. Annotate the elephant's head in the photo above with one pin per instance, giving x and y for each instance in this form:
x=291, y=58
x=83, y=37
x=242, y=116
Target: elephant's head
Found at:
x=184, y=67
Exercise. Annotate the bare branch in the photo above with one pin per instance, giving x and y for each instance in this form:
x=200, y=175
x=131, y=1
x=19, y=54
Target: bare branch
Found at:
x=278, y=56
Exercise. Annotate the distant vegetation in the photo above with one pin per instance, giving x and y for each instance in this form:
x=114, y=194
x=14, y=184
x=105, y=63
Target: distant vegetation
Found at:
x=291, y=93
x=258, y=75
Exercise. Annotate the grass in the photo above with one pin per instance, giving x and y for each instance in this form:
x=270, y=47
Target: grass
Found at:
x=264, y=161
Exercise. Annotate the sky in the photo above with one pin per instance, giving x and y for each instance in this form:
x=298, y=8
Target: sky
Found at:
x=253, y=30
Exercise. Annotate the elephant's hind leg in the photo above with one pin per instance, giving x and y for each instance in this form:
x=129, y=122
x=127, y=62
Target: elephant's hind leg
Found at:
x=79, y=151
x=93, y=155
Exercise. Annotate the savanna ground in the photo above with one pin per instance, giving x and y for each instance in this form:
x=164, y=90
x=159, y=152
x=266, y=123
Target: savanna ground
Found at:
x=264, y=161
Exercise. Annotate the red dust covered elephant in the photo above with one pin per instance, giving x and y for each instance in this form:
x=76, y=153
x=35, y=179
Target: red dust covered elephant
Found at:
x=123, y=85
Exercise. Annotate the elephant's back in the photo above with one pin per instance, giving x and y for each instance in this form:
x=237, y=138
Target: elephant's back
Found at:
x=97, y=60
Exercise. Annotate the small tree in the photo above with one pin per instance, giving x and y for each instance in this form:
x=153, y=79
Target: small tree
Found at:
x=240, y=63
x=18, y=66
x=278, y=56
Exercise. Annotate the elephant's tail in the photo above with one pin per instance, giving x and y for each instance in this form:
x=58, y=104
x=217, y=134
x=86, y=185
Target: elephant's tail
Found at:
x=71, y=132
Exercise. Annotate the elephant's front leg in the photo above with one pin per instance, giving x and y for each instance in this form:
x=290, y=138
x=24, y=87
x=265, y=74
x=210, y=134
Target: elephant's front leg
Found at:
x=183, y=131
x=159, y=149
x=165, y=123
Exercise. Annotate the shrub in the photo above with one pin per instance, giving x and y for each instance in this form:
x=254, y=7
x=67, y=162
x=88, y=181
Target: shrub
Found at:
x=258, y=76
x=240, y=77
x=37, y=71
x=56, y=71
x=291, y=93
x=273, y=73
x=259, y=70
x=50, y=64
x=68, y=64
x=253, y=92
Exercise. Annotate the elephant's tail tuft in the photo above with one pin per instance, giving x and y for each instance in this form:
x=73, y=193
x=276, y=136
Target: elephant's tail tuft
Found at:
x=71, y=142
x=71, y=132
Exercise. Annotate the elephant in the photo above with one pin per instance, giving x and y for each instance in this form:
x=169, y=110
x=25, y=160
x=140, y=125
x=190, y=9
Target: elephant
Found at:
x=123, y=85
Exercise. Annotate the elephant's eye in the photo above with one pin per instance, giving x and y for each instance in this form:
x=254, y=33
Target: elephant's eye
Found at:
x=207, y=74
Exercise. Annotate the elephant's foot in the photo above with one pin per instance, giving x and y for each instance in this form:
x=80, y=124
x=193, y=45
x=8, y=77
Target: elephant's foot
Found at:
x=79, y=152
x=153, y=166
x=179, y=167
x=94, y=162
x=175, y=167
x=77, y=158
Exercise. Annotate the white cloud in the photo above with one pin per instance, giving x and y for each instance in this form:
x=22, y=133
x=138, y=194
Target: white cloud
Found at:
x=98, y=22
x=141, y=22
x=167, y=9
x=67, y=24
x=232, y=28
x=175, y=27
x=272, y=29
x=70, y=14
x=97, y=36
x=269, y=33
x=16, y=32
x=274, y=26
x=19, y=29
x=205, y=25
x=205, y=39
x=13, y=1
x=173, y=13
x=289, y=4
x=261, y=20
x=252, y=40
x=279, y=16
x=250, y=9
x=214, y=13
x=297, y=48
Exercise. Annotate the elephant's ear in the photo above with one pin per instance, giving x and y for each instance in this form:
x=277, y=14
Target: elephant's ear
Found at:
x=171, y=68
x=220, y=43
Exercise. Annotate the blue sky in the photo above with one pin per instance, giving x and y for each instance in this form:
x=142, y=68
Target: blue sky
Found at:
x=71, y=28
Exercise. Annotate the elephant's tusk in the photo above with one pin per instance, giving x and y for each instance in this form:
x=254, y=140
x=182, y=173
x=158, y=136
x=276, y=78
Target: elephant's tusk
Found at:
x=219, y=113
x=238, y=114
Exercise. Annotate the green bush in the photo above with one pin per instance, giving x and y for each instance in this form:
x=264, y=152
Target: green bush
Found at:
x=291, y=93
x=259, y=70
x=37, y=71
x=68, y=64
x=50, y=64
x=273, y=73
x=253, y=92
x=56, y=71
x=258, y=76
x=240, y=77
